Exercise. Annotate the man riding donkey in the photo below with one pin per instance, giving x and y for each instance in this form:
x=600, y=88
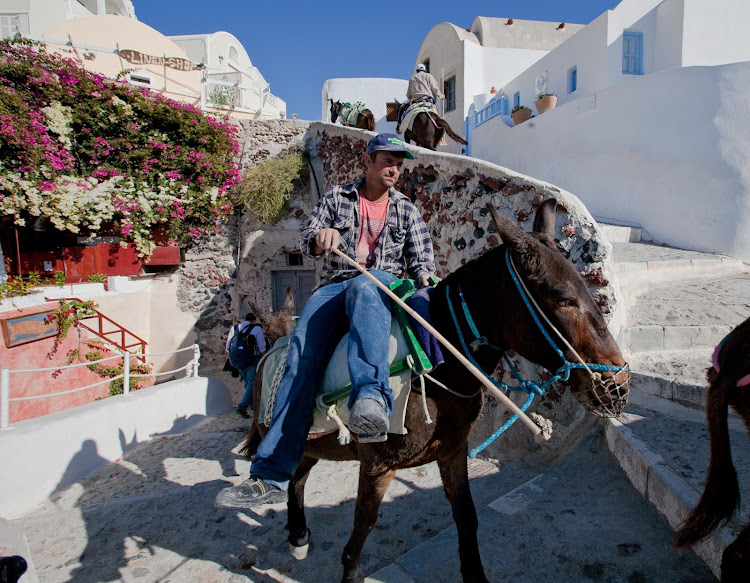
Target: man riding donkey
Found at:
x=423, y=87
x=382, y=230
x=422, y=94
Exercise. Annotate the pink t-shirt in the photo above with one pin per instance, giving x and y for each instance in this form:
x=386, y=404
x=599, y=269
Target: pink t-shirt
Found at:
x=371, y=223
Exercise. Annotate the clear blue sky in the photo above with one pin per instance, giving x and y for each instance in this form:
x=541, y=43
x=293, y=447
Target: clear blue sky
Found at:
x=298, y=44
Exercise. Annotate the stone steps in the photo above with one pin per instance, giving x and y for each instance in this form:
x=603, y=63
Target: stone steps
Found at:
x=679, y=305
x=673, y=375
x=623, y=233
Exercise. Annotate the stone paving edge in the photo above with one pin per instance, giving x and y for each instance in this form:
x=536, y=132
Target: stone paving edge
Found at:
x=667, y=492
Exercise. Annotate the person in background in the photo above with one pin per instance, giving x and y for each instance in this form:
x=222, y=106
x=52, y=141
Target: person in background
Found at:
x=423, y=87
x=247, y=374
x=381, y=229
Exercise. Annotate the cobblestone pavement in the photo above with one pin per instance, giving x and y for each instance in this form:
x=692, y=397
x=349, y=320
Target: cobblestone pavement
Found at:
x=150, y=517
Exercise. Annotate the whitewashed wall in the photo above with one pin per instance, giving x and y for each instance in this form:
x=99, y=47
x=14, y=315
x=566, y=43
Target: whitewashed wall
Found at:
x=667, y=151
x=676, y=33
x=373, y=92
x=37, y=17
x=716, y=32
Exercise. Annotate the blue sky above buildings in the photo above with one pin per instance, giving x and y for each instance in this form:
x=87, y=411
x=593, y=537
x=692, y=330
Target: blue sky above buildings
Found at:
x=298, y=45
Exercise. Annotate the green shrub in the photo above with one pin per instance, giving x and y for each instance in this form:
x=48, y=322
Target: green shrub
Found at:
x=265, y=188
x=17, y=286
x=96, y=278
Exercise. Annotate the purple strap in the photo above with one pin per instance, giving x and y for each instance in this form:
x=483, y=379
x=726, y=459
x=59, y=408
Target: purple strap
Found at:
x=420, y=303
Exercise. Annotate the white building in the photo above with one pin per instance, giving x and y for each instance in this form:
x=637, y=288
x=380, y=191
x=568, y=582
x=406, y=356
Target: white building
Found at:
x=212, y=71
x=469, y=62
x=375, y=93
x=37, y=17
x=651, y=125
x=231, y=79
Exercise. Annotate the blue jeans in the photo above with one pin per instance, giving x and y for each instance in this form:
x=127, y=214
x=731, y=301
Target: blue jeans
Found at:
x=356, y=306
x=248, y=378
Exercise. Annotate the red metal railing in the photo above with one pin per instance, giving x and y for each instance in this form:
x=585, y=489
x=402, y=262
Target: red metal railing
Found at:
x=125, y=335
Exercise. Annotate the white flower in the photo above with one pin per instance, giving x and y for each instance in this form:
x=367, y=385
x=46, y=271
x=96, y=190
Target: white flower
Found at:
x=59, y=118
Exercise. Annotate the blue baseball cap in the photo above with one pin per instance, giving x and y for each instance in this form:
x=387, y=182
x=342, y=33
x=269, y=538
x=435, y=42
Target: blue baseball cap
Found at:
x=387, y=143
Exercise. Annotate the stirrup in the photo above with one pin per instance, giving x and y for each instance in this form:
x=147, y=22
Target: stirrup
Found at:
x=372, y=437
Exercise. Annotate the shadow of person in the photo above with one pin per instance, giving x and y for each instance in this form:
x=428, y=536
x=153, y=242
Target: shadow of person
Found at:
x=150, y=512
x=83, y=462
x=226, y=459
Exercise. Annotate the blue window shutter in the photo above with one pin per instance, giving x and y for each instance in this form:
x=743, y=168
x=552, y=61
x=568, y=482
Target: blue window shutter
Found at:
x=572, y=79
x=516, y=99
x=632, y=53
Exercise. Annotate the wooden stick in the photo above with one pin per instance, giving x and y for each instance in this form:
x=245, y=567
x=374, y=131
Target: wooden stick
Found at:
x=497, y=393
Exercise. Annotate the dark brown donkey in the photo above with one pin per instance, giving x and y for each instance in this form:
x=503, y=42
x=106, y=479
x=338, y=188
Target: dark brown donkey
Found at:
x=729, y=385
x=427, y=130
x=493, y=298
x=365, y=119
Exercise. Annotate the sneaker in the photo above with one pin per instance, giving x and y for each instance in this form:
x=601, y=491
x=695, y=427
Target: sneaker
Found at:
x=242, y=413
x=369, y=420
x=250, y=493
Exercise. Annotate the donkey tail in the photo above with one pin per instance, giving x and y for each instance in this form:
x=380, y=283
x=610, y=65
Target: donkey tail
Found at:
x=370, y=119
x=252, y=441
x=444, y=124
x=721, y=496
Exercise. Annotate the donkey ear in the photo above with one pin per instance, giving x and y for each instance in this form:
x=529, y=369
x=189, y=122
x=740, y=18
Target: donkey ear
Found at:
x=288, y=302
x=511, y=234
x=544, y=221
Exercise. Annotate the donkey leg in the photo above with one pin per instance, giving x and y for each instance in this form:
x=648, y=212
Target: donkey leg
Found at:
x=735, y=561
x=369, y=496
x=299, y=534
x=455, y=476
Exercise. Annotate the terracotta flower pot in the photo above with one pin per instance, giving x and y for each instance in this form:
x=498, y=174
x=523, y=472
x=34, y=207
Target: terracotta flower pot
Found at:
x=545, y=103
x=520, y=115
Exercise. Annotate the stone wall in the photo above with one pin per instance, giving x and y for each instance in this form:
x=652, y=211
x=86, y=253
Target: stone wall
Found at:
x=224, y=276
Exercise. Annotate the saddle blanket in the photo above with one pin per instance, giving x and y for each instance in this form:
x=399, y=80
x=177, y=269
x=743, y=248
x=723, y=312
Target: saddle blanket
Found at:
x=412, y=350
x=407, y=121
x=336, y=384
x=350, y=112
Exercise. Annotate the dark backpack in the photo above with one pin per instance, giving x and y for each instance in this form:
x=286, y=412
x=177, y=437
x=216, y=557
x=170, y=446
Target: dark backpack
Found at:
x=242, y=347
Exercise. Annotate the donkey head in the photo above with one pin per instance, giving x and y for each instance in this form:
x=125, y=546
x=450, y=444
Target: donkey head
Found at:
x=335, y=110
x=281, y=323
x=563, y=297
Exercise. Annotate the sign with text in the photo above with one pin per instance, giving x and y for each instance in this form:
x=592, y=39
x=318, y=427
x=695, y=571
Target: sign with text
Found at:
x=178, y=63
x=28, y=328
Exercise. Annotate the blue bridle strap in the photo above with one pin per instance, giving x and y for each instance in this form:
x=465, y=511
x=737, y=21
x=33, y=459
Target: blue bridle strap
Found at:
x=528, y=386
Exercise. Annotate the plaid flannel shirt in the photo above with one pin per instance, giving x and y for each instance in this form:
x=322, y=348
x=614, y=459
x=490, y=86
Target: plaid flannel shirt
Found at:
x=404, y=245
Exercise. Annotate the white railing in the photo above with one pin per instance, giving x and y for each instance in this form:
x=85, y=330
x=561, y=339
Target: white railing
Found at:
x=191, y=370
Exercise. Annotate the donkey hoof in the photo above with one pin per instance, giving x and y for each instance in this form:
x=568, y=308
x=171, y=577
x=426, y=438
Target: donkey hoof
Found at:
x=299, y=546
x=353, y=576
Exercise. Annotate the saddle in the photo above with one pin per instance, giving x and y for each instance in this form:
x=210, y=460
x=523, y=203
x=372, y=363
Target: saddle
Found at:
x=407, y=120
x=405, y=356
x=350, y=112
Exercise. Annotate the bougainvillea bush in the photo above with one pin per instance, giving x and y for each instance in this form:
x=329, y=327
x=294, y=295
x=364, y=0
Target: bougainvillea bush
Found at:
x=97, y=155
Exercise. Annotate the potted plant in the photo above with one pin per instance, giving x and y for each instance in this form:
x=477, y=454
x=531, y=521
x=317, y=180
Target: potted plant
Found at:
x=520, y=114
x=545, y=101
